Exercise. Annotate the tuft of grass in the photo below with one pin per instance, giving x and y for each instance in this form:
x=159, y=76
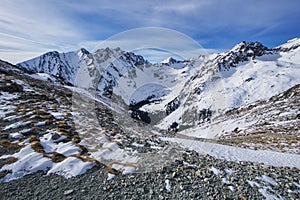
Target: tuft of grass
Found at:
x=36, y=145
x=111, y=170
x=84, y=150
x=48, y=117
x=39, y=112
x=242, y=197
x=4, y=173
x=57, y=157
x=55, y=106
x=33, y=138
x=85, y=158
x=63, y=125
x=63, y=130
x=76, y=139
x=9, y=145
x=48, y=122
x=9, y=160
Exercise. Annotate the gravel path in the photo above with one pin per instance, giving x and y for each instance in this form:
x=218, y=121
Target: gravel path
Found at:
x=192, y=177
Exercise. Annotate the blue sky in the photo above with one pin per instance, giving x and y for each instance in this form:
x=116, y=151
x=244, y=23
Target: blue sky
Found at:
x=31, y=27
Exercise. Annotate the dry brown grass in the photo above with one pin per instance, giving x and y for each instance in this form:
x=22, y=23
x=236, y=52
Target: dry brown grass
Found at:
x=9, y=145
x=63, y=131
x=111, y=170
x=84, y=150
x=264, y=141
x=4, y=173
x=9, y=160
x=76, y=139
x=56, y=157
x=47, y=122
x=85, y=158
x=39, y=112
x=63, y=125
x=242, y=197
x=33, y=138
x=37, y=147
x=55, y=106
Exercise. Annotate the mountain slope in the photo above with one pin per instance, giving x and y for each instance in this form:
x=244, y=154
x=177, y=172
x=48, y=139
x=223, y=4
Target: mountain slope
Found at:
x=61, y=65
x=131, y=79
x=248, y=73
x=106, y=70
x=183, y=96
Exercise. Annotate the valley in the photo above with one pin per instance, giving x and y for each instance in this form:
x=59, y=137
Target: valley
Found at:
x=227, y=124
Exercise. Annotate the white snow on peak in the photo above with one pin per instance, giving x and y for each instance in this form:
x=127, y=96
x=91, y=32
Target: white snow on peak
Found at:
x=221, y=89
x=172, y=62
x=249, y=72
x=290, y=44
x=169, y=60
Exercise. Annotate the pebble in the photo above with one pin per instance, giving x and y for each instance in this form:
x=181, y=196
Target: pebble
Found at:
x=68, y=192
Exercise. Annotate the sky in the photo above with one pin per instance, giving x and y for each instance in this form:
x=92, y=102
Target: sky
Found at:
x=29, y=28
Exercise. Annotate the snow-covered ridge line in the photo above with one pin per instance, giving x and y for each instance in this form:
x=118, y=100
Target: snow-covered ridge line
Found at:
x=243, y=75
x=289, y=45
x=247, y=73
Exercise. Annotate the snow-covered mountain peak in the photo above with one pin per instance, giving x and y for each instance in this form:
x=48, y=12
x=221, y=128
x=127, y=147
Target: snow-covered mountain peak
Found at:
x=61, y=65
x=289, y=45
x=108, y=52
x=245, y=46
x=175, y=64
x=248, y=49
x=294, y=40
x=178, y=90
x=245, y=74
x=169, y=60
x=243, y=51
x=82, y=53
x=102, y=55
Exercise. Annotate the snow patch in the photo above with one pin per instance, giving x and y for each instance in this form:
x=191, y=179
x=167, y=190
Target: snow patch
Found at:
x=237, y=154
x=30, y=161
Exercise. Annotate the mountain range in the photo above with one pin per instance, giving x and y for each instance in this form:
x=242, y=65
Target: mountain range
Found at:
x=184, y=95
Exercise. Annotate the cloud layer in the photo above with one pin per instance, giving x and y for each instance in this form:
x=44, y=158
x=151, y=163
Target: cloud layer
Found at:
x=29, y=28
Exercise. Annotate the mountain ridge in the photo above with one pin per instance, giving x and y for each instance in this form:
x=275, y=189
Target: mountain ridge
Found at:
x=119, y=73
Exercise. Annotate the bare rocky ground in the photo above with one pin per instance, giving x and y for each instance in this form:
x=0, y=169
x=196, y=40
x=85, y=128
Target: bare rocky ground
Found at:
x=192, y=177
x=29, y=109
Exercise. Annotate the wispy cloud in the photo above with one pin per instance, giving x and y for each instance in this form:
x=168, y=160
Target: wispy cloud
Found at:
x=38, y=26
x=33, y=27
